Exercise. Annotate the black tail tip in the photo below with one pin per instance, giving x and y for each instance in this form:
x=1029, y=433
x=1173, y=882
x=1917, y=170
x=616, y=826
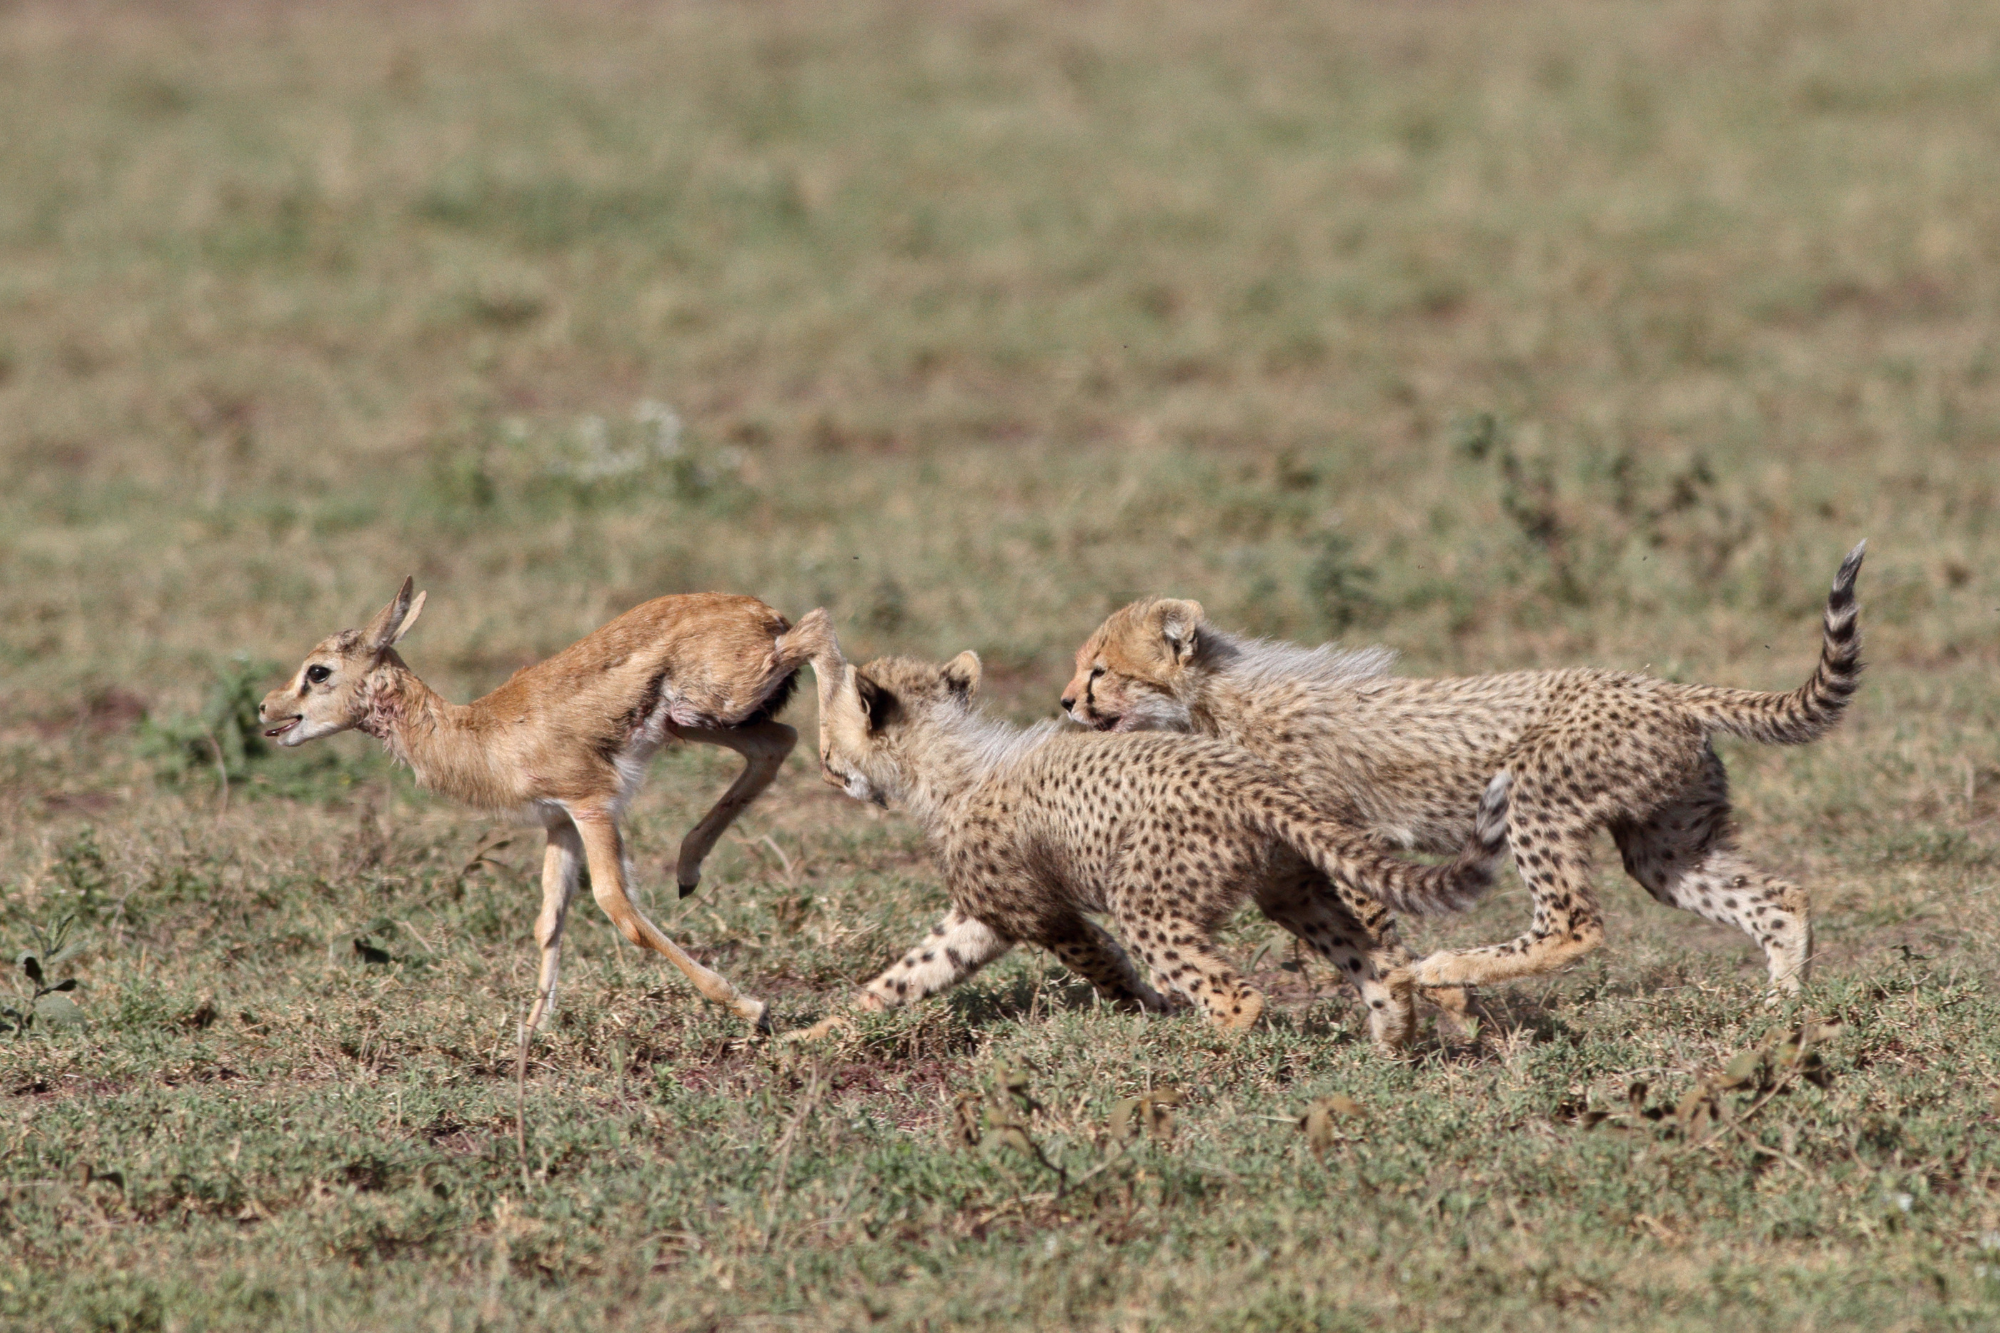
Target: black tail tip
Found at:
x=1851, y=565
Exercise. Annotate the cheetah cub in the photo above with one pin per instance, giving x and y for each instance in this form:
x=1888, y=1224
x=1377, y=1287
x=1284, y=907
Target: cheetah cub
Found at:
x=1405, y=759
x=1165, y=834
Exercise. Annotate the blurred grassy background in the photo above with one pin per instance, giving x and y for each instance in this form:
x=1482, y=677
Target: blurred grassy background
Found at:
x=1508, y=334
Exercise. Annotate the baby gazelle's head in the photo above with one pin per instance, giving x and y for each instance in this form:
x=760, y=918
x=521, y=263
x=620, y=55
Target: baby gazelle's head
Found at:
x=330, y=692
x=1132, y=674
x=873, y=718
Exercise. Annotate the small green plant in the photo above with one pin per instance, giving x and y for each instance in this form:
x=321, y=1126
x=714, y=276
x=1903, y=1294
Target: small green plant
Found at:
x=225, y=738
x=1341, y=586
x=82, y=878
x=47, y=999
x=1528, y=498
x=889, y=607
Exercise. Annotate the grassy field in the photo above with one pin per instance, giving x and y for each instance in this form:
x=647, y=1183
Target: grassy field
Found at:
x=1508, y=334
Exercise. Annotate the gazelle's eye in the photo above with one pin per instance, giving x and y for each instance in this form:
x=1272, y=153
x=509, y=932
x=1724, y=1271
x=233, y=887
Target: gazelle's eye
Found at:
x=316, y=675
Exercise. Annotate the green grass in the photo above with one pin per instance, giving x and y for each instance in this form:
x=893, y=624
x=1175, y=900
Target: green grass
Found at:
x=1505, y=335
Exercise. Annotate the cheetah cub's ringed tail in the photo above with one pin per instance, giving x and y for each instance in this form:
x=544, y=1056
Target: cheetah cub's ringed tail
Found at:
x=1036, y=829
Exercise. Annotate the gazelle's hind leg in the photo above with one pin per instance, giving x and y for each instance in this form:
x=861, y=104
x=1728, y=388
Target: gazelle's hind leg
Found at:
x=562, y=866
x=1684, y=855
x=605, y=851
x=763, y=746
x=957, y=947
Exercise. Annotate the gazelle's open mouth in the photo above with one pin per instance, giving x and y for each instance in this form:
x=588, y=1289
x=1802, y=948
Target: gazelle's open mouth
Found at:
x=281, y=730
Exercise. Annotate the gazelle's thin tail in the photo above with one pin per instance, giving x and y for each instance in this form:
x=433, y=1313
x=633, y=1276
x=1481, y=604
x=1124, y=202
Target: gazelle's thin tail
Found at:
x=812, y=637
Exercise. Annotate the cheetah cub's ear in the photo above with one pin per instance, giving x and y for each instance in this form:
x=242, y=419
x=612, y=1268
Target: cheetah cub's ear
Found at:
x=877, y=704
x=961, y=674
x=1178, y=620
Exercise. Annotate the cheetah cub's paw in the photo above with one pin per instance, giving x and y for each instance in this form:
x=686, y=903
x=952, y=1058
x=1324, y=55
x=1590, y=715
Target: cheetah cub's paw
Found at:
x=1431, y=972
x=837, y=1021
x=819, y=1031
x=1243, y=1012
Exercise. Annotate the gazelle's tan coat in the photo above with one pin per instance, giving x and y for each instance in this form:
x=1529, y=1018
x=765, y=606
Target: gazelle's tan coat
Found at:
x=564, y=743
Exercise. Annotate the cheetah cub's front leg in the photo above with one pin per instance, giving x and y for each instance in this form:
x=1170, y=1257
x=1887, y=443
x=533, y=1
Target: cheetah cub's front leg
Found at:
x=957, y=947
x=961, y=944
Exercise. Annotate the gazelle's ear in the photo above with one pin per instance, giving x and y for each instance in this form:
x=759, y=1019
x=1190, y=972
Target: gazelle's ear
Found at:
x=410, y=617
x=961, y=674
x=393, y=621
x=1179, y=621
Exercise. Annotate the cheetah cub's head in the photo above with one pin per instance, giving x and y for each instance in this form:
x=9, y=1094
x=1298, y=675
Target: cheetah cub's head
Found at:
x=874, y=719
x=1132, y=674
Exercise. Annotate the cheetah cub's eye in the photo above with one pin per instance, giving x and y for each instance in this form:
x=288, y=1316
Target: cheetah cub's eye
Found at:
x=316, y=675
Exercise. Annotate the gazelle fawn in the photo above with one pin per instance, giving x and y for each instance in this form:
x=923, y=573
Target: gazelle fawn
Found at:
x=564, y=743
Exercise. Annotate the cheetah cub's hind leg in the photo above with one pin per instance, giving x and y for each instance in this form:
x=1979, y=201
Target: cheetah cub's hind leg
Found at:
x=1684, y=855
x=1388, y=955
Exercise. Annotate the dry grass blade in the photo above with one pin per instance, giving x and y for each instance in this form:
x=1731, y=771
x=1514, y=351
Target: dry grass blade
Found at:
x=1321, y=1122
x=774, y=1197
x=482, y=855
x=521, y=1105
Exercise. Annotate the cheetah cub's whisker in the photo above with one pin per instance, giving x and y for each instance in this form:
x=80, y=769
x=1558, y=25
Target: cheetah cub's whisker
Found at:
x=564, y=743
x=1404, y=759
x=1036, y=828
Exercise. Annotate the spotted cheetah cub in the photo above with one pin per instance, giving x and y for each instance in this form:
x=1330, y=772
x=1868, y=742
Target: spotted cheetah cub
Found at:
x=1035, y=828
x=1405, y=760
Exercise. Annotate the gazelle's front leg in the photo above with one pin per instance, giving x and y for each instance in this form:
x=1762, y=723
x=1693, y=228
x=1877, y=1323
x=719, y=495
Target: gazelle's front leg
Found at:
x=957, y=947
x=763, y=746
x=562, y=865
x=605, y=851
